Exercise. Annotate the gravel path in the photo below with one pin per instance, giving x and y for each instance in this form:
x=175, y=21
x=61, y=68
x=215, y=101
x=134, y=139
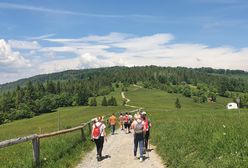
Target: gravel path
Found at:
x=118, y=152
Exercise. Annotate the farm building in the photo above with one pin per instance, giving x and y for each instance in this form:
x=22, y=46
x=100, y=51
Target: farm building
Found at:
x=232, y=106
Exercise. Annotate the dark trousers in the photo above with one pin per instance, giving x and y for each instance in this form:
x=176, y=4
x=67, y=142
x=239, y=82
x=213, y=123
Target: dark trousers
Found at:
x=113, y=129
x=147, y=135
x=138, y=140
x=99, y=145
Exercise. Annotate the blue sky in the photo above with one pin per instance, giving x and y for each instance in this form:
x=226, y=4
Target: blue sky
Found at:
x=48, y=36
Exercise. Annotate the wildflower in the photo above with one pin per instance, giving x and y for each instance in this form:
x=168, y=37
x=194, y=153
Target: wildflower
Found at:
x=224, y=133
x=224, y=126
x=44, y=158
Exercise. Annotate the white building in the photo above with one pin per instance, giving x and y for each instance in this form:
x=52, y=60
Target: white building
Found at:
x=232, y=106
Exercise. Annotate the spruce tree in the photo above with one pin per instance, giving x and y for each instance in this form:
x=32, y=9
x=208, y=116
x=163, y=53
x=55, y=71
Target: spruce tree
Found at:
x=177, y=103
x=104, y=101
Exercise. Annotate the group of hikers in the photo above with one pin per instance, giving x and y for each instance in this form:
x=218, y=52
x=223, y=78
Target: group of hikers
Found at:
x=139, y=123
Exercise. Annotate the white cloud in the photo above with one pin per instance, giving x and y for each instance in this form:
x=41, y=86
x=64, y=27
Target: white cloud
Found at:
x=18, y=44
x=124, y=49
x=10, y=59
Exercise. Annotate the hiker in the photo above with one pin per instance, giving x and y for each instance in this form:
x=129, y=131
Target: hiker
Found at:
x=148, y=125
x=112, y=122
x=127, y=123
x=130, y=120
x=121, y=119
x=98, y=135
x=139, y=131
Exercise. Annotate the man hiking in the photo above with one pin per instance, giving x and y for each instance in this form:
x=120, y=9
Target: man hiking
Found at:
x=98, y=135
x=147, y=124
x=112, y=122
x=139, y=131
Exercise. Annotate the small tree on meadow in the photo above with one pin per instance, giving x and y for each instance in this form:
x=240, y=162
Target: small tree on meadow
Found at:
x=112, y=101
x=177, y=103
x=104, y=101
x=93, y=102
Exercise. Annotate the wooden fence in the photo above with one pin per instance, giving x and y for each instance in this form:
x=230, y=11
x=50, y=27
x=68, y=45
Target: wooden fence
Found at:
x=36, y=138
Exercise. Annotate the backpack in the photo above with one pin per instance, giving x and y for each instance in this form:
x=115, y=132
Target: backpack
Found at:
x=139, y=127
x=126, y=118
x=147, y=124
x=96, y=132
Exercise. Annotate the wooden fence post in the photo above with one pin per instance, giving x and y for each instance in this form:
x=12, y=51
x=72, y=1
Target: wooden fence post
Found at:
x=83, y=135
x=36, y=151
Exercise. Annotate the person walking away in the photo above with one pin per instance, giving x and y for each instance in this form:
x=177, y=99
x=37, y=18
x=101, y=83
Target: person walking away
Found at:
x=126, y=121
x=130, y=120
x=147, y=124
x=121, y=121
x=98, y=135
x=112, y=122
x=139, y=130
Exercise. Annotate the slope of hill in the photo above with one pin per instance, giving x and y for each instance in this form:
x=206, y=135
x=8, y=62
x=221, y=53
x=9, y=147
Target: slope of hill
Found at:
x=190, y=75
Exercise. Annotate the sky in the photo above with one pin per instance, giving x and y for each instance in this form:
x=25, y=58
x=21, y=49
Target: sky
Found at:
x=40, y=37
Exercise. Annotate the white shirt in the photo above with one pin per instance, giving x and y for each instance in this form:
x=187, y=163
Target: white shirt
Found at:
x=101, y=128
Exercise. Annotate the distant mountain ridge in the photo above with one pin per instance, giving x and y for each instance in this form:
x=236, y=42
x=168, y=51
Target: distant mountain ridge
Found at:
x=86, y=73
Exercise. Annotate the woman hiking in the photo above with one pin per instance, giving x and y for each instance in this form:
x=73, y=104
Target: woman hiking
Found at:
x=147, y=124
x=139, y=131
x=98, y=135
x=121, y=119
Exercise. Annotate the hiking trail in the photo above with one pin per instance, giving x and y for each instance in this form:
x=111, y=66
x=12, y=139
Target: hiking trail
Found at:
x=118, y=152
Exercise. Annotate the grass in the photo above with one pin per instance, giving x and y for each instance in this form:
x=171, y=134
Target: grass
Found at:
x=59, y=151
x=198, y=135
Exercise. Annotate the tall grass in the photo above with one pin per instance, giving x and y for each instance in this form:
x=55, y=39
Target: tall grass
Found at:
x=198, y=135
x=60, y=151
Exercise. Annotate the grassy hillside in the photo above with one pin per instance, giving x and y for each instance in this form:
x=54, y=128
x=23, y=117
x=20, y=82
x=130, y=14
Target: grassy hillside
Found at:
x=60, y=151
x=198, y=135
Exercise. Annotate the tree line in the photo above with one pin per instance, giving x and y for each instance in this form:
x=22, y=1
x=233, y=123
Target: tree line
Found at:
x=44, y=93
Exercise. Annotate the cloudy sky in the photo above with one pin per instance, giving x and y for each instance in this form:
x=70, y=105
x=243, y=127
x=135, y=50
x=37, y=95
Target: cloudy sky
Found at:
x=38, y=37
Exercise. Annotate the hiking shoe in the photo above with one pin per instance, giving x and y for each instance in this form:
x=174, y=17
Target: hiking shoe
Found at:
x=135, y=158
x=141, y=159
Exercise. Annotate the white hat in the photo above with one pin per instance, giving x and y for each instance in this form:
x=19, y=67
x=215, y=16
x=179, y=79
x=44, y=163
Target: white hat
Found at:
x=143, y=113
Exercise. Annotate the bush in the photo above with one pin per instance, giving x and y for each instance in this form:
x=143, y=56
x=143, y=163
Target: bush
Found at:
x=93, y=102
x=22, y=112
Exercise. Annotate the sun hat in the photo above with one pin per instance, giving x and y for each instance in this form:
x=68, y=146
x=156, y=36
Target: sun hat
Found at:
x=143, y=113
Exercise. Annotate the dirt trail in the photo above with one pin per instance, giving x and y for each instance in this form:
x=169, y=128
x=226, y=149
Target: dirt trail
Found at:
x=127, y=101
x=118, y=152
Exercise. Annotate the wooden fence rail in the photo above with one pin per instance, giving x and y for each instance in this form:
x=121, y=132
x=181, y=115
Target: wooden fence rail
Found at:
x=36, y=138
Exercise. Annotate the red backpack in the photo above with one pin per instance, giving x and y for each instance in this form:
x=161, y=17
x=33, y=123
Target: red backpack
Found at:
x=126, y=118
x=96, y=132
x=146, y=124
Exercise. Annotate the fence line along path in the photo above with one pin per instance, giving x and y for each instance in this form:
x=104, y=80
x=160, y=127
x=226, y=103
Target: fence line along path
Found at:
x=118, y=152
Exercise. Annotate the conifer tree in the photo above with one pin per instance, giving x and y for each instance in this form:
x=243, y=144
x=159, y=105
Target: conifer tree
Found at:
x=93, y=102
x=177, y=103
x=104, y=101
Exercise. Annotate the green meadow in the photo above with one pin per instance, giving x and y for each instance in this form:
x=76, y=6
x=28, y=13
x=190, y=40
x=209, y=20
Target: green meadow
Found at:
x=59, y=151
x=197, y=135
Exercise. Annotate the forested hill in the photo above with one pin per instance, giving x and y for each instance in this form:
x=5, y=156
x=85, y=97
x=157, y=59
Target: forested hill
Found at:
x=133, y=74
x=44, y=93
